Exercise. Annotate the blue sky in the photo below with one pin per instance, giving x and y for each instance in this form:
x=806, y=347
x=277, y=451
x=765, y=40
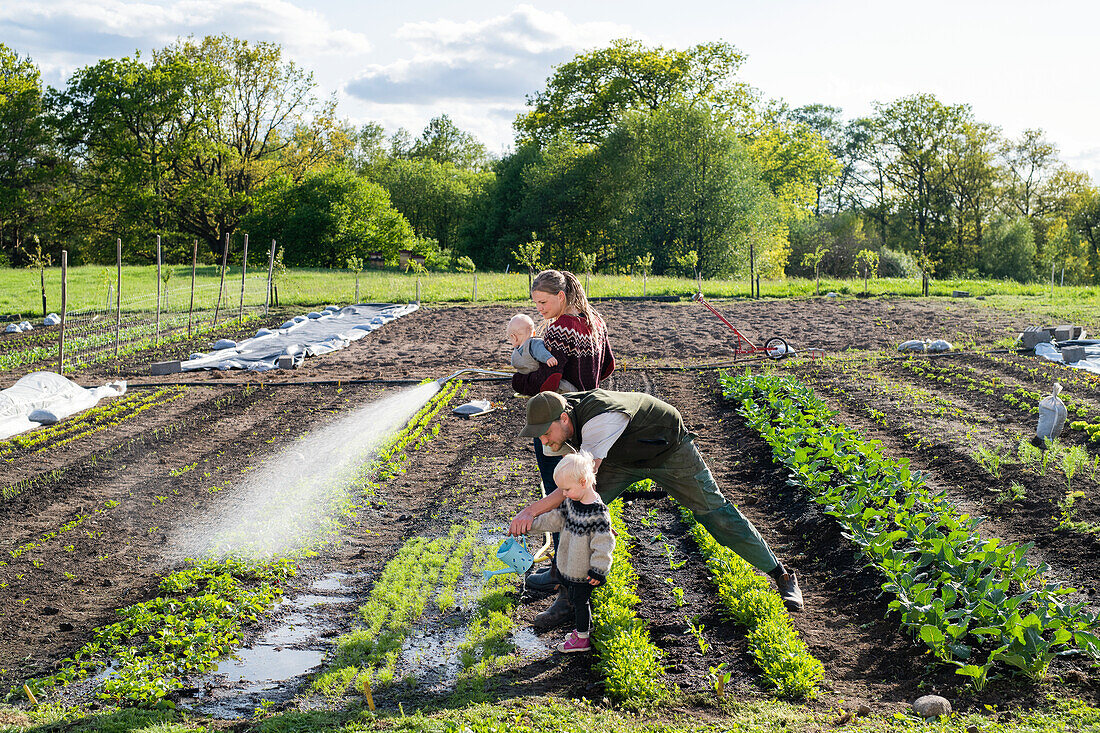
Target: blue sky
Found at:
x=1018, y=64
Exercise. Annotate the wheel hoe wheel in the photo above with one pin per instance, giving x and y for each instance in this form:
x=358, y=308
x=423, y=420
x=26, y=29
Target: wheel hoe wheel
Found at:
x=776, y=348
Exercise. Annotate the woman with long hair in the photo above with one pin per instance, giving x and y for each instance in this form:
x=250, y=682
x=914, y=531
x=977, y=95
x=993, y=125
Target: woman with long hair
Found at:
x=576, y=336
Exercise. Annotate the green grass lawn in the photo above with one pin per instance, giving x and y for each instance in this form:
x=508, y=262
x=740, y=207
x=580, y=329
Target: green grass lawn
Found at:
x=89, y=286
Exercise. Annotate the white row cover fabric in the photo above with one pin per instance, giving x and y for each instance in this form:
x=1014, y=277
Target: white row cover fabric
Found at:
x=1090, y=363
x=304, y=335
x=50, y=397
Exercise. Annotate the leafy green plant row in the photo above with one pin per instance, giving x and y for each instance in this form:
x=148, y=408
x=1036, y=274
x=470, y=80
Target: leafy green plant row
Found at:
x=1041, y=369
x=196, y=619
x=788, y=666
x=416, y=433
x=629, y=661
x=1021, y=398
x=89, y=422
x=973, y=602
x=398, y=599
x=486, y=649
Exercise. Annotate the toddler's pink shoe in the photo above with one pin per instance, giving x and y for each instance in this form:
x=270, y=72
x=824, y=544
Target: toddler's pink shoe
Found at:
x=574, y=643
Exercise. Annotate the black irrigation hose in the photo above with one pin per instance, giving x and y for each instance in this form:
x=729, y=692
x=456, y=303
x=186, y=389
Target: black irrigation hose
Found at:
x=341, y=382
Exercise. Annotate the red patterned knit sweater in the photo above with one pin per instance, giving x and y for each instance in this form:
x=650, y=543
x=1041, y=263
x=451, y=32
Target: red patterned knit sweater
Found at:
x=583, y=353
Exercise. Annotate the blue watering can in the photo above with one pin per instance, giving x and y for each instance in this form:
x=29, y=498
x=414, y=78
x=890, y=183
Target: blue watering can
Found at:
x=515, y=555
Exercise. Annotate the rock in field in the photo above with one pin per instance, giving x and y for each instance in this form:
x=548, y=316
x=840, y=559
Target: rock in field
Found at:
x=932, y=706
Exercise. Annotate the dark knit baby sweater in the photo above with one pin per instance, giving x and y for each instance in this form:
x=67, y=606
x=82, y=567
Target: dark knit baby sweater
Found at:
x=583, y=353
x=586, y=541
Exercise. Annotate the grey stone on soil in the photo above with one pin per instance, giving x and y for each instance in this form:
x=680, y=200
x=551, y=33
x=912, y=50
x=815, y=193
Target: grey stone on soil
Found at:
x=1063, y=333
x=932, y=706
x=1073, y=354
x=164, y=367
x=1032, y=337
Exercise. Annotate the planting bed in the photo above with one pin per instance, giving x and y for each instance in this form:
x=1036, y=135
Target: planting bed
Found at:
x=94, y=518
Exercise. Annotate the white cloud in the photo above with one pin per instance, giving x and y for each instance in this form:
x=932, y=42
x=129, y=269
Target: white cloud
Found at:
x=62, y=34
x=495, y=60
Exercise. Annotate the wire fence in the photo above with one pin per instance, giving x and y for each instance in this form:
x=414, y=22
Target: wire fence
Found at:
x=128, y=322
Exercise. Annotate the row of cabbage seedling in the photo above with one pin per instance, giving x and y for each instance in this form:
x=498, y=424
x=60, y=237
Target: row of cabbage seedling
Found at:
x=89, y=422
x=974, y=602
x=197, y=617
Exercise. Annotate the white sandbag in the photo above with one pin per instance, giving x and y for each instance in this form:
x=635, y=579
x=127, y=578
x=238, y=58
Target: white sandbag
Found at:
x=264, y=332
x=43, y=416
x=939, y=346
x=12, y=328
x=51, y=320
x=313, y=315
x=50, y=392
x=914, y=345
x=299, y=318
x=224, y=344
x=1052, y=415
x=288, y=324
x=26, y=326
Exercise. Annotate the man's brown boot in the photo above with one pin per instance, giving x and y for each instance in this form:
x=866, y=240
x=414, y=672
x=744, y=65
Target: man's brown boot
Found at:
x=560, y=612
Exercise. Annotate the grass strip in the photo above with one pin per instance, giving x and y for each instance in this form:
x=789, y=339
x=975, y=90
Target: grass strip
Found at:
x=629, y=661
x=748, y=598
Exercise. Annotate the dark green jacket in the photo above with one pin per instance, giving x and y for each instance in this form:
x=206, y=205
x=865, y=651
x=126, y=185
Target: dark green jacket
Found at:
x=654, y=431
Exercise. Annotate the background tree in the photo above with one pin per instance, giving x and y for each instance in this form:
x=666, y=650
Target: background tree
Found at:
x=26, y=163
x=588, y=95
x=867, y=265
x=327, y=218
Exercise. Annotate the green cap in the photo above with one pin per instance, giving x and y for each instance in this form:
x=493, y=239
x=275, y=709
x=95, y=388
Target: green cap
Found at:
x=542, y=410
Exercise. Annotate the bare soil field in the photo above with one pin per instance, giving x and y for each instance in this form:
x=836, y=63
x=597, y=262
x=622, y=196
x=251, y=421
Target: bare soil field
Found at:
x=135, y=484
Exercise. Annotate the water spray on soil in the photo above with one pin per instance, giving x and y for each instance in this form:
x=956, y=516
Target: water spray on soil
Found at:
x=284, y=504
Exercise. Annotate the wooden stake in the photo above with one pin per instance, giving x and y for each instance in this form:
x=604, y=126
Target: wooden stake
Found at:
x=270, y=270
x=118, y=294
x=418, y=290
x=64, y=307
x=194, y=263
x=156, y=338
x=32, y=698
x=244, y=268
x=221, y=283
x=475, y=287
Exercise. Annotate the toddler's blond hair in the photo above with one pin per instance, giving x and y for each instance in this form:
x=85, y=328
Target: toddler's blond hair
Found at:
x=521, y=323
x=576, y=468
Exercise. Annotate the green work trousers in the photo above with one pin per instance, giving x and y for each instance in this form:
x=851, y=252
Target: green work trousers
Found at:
x=686, y=478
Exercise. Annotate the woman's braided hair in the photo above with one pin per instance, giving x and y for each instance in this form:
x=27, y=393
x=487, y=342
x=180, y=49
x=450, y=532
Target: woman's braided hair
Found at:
x=557, y=281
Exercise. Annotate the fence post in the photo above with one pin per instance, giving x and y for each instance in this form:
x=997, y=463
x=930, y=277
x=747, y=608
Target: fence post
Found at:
x=64, y=308
x=156, y=338
x=418, y=290
x=221, y=283
x=118, y=294
x=270, y=270
x=645, y=279
x=752, y=268
x=194, y=262
x=244, y=267
x=475, y=287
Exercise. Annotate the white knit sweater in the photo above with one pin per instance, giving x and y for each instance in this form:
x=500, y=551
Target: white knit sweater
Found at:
x=586, y=540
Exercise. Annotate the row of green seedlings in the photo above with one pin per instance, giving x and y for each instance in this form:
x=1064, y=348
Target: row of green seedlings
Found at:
x=1043, y=370
x=391, y=458
x=629, y=661
x=1071, y=460
x=973, y=602
x=1021, y=398
x=91, y=421
x=197, y=618
x=128, y=446
x=97, y=345
x=787, y=665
